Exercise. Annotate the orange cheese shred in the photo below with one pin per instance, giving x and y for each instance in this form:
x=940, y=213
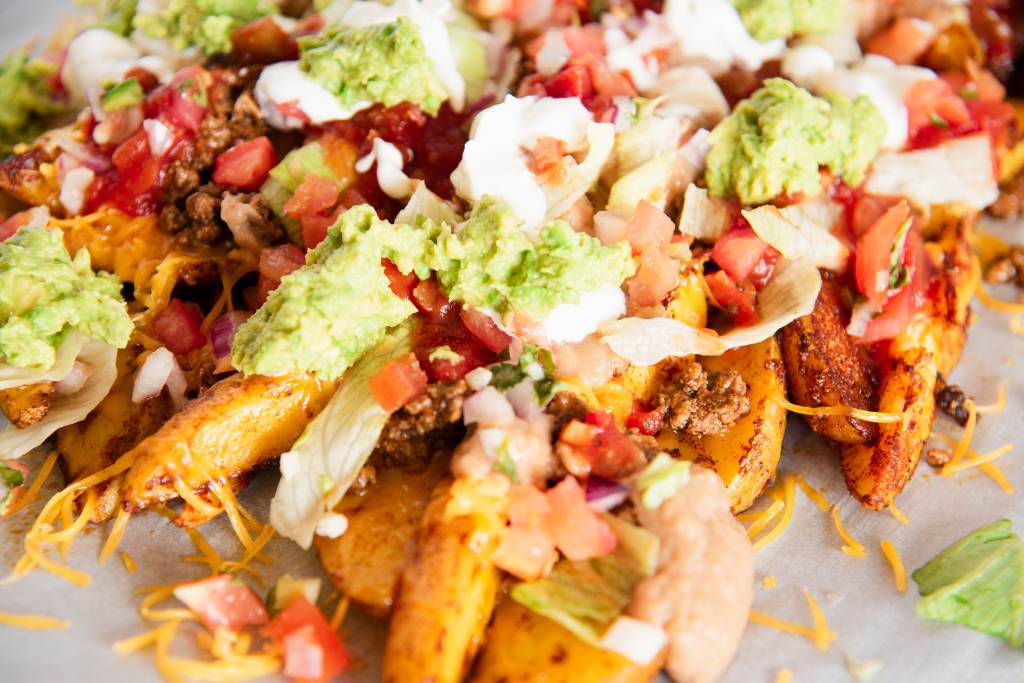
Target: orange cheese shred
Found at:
x=976, y=460
x=898, y=514
x=847, y=411
x=964, y=444
x=997, y=475
x=1000, y=403
x=764, y=519
x=33, y=622
x=784, y=676
x=823, y=637
x=998, y=304
x=816, y=496
x=789, y=500
x=896, y=562
x=852, y=546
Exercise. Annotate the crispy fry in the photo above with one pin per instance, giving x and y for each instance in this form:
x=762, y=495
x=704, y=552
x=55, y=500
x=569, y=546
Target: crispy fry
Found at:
x=26, y=405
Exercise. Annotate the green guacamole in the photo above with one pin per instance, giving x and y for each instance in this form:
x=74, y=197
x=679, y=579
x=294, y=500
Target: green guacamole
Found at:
x=44, y=293
x=502, y=269
x=383, y=63
x=978, y=582
x=771, y=19
x=206, y=24
x=775, y=141
x=324, y=316
x=29, y=101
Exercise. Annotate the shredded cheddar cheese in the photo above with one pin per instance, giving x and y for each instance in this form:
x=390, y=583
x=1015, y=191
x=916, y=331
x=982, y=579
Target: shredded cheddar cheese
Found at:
x=998, y=304
x=37, y=483
x=823, y=637
x=846, y=411
x=898, y=514
x=898, y=571
x=789, y=500
x=1017, y=325
x=977, y=460
x=964, y=444
x=996, y=474
x=769, y=582
x=852, y=546
x=764, y=519
x=768, y=620
x=816, y=496
x=999, y=405
x=33, y=621
x=784, y=676
x=116, y=534
x=128, y=562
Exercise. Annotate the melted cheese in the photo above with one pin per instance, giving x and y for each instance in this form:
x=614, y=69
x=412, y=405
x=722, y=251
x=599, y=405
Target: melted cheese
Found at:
x=852, y=546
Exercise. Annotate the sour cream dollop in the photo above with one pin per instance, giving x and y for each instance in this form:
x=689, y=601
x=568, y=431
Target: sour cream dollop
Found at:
x=284, y=91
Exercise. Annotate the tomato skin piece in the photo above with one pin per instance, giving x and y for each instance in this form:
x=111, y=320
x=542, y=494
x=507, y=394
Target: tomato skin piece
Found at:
x=220, y=602
x=137, y=168
x=398, y=382
x=871, y=265
x=276, y=262
x=737, y=300
x=485, y=329
x=177, y=328
x=314, y=195
x=302, y=616
x=246, y=165
x=401, y=285
x=576, y=528
x=738, y=251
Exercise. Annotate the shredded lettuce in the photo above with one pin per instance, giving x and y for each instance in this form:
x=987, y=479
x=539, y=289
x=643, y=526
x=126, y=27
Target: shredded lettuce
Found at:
x=661, y=480
x=978, y=582
x=335, y=445
x=286, y=177
x=29, y=99
x=586, y=596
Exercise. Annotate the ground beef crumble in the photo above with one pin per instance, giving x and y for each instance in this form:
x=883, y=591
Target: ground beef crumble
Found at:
x=1010, y=204
x=1007, y=268
x=426, y=425
x=698, y=403
x=951, y=400
x=564, y=407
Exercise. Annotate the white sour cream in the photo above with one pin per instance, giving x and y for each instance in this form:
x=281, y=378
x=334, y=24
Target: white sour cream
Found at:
x=390, y=176
x=98, y=56
x=495, y=160
x=711, y=34
x=573, y=322
x=285, y=83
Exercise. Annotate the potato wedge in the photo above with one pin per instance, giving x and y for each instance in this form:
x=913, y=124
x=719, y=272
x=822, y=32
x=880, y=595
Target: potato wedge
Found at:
x=447, y=590
x=114, y=427
x=525, y=647
x=746, y=456
x=826, y=367
x=366, y=562
x=24, y=406
x=931, y=344
x=239, y=424
x=30, y=177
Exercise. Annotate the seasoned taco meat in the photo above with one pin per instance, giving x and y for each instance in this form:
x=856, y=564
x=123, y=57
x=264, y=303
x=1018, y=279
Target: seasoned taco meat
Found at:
x=951, y=400
x=698, y=403
x=1009, y=267
x=426, y=425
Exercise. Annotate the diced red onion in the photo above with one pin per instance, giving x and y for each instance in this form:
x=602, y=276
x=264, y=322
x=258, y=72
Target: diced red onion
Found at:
x=634, y=639
x=487, y=405
x=74, y=380
x=73, y=187
x=478, y=378
x=605, y=494
x=159, y=370
x=523, y=398
x=80, y=151
x=159, y=136
x=222, y=333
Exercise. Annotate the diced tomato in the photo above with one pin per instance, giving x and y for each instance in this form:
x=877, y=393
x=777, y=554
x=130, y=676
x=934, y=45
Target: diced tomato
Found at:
x=981, y=85
x=264, y=286
x=292, y=110
x=137, y=169
x=572, y=81
x=584, y=40
x=527, y=506
x=576, y=528
x=401, y=285
x=184, y=101
x=176, y=327
x=546, y=154
x=221, y=602
x=428, y=297
x=276, y=262
x=264, y=42
x=398, y=382
x=872, y=256
x=316, y=642
x=526, y=552
x=904, y=41
x=445, y=328
x=737, y=300
x=148, y=81
x=315, y=227
x=609, y=83
x=483, y=327
x=649, y=227
x=932, y=102
x=645, y=421
x=314, y=195
x=11, y=225
x=738, y=251
x=867, y=210
x=598, y=447
x=246, y=165
x=656, y=276
x=893, y=319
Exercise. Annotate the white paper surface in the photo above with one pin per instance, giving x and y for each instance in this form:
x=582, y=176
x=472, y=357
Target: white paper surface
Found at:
x=858, y=596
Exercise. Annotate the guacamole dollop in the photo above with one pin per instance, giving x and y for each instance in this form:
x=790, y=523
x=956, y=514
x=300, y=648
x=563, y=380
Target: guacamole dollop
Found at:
x=383, y=63
x=44, y=294
x=770, y=19
x=776, y=140
x=978, y=582
x=29, y=101
x=327, y=314
x=502, y=269
x=206, y=24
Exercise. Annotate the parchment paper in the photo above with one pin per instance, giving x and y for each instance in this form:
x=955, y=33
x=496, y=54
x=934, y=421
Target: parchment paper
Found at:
x=858, y=596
